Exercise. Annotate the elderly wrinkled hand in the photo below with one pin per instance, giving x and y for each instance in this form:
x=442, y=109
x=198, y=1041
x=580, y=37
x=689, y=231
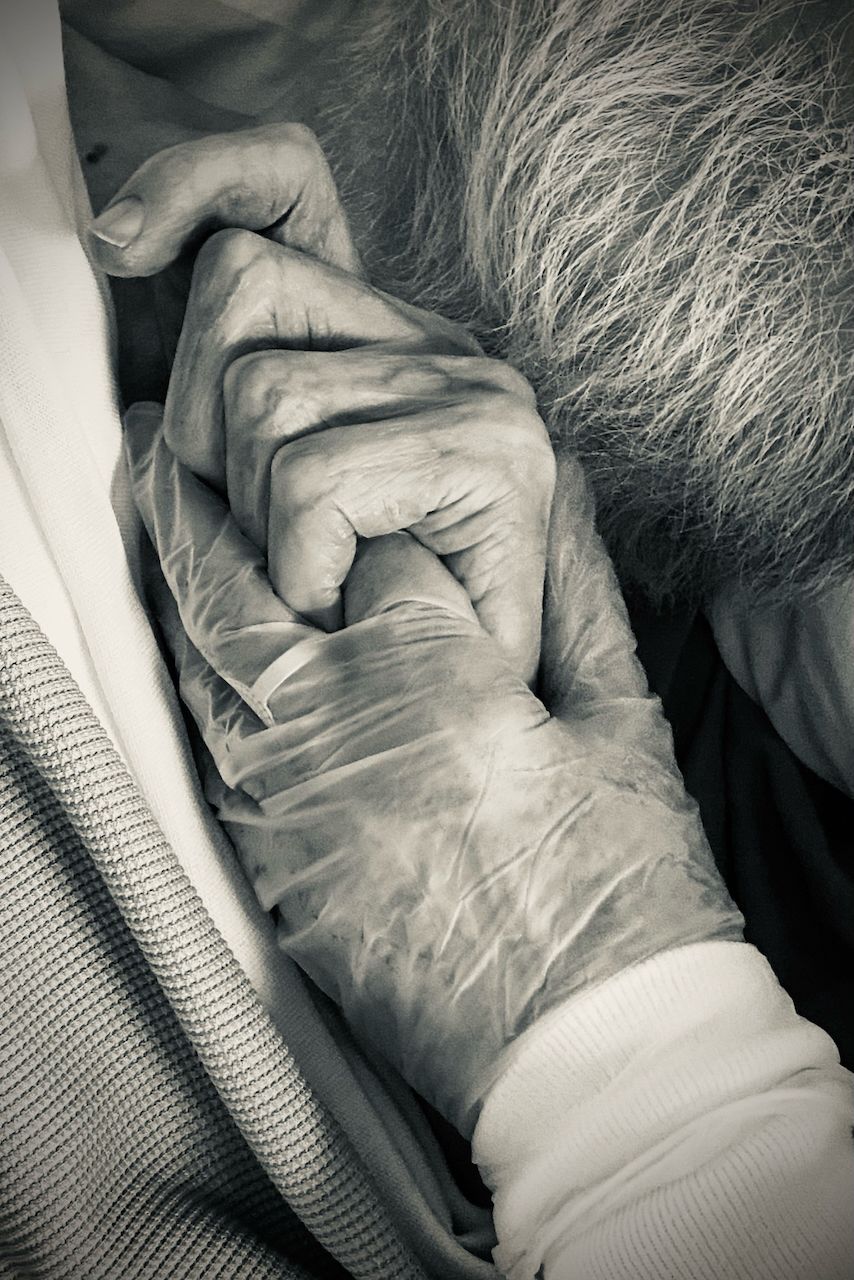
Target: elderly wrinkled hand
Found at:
x=327, y=411
x=448, y=860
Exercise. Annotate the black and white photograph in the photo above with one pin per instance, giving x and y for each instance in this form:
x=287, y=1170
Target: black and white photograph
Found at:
x=426, y=639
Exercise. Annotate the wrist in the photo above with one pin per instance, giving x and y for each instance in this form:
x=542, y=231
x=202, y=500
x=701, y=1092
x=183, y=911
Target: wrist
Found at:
x=625, y=1099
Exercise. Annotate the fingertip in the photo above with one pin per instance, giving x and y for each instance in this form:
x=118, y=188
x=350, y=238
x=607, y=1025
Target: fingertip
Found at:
x=120, y=224
x=133, y=238
x=396, y=569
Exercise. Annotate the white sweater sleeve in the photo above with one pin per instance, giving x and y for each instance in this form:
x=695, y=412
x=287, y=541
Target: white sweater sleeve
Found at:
x=678, y=1122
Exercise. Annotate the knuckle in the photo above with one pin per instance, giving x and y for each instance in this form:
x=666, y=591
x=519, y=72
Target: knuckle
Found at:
x=505, y=386
x=497, y=378
x=229, y=269
x=300, y=474
x=429, y=333
x=459, y=340
x=451, y=338
x=495, y=419
x=300, y=276
x=508, y=377
x=519, y=439
x=534, y=456
x=298, y=149
x=271, y=391
x=543, y=465
x=227, y=253
x=252, y=386
x=295, y=136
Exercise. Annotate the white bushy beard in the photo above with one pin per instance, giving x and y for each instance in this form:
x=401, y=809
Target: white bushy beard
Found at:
x=647, y=207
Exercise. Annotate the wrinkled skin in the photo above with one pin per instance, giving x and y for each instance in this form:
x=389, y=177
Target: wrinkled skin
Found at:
x=325, y=410
x=449, y=859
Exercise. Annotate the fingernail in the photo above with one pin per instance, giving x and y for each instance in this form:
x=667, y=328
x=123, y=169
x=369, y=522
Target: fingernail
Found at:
x=121, y=223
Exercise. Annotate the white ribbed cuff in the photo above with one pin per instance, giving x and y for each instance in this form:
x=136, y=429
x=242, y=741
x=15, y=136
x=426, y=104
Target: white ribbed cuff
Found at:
x=644, y=1128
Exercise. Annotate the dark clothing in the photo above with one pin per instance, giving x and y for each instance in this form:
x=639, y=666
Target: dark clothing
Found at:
x=782, y=837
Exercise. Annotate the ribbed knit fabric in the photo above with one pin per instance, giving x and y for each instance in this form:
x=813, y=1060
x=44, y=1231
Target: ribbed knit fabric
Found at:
x=117, y=1158
x=685, y=1124
x=121, y=1158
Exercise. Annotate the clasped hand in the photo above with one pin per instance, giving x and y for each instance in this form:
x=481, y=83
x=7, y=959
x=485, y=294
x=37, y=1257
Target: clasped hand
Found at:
x=326, y=411
x=449, y=856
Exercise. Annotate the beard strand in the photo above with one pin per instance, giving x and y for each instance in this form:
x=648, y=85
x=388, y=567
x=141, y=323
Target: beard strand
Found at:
x=647, y=208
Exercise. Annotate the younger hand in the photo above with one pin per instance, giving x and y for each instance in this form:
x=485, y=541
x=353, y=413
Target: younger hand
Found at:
x=448, y=860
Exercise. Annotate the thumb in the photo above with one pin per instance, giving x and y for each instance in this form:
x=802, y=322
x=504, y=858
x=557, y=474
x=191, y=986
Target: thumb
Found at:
x=396, y=569
x=588, y=649
x=274, y=179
